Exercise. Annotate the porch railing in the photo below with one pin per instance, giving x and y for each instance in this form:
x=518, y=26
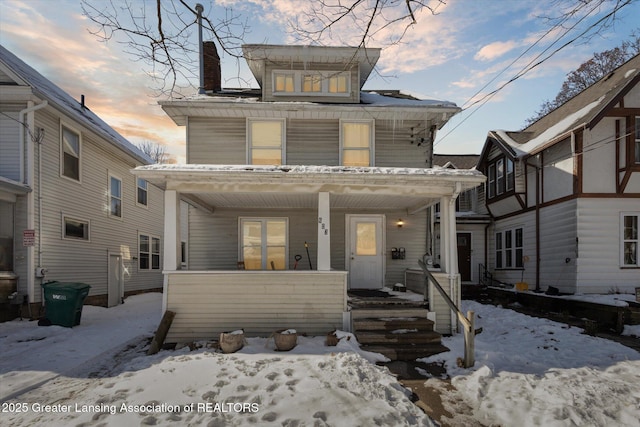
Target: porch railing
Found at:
x=467, y=321
x=486, y=277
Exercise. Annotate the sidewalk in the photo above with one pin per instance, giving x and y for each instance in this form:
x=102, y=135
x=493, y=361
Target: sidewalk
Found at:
x=33, y=355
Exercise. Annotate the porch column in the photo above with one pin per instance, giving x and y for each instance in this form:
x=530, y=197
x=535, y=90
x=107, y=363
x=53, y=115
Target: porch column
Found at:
x=324, y=236
x=172, y=252
x=444, y=234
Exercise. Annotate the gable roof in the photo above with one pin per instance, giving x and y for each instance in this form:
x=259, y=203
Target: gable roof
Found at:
x=45, y=89
x=584, y=110
x=456, y=161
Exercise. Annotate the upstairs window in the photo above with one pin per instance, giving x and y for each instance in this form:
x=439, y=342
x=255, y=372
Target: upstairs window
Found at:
x=312, y=83
x=339, y=83
x=142, y=193
x=356, y=143
x=266, y=142
x=70, y=153
x=115, y=197
x=501, y=177
x=284, y=82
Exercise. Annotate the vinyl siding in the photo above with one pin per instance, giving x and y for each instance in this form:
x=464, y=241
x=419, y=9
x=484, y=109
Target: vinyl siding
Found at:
x=557, y=171
x=208, y=303
x=86, y=261
x=525, y=221
x=217, y=141
x=598, y=267
x=393, y=147
x=599, y=158
x=313, y=142
x=557, y=244
x=9, y=145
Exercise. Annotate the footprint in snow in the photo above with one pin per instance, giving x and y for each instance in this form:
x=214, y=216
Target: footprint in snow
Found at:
x=270, y=416
x=272, y=376
x=288, y=372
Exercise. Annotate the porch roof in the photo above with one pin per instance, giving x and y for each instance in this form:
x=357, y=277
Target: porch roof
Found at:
x=252, y=186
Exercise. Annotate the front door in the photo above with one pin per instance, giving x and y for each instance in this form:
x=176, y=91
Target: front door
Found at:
x=115, y=280
x=464, y=256
x=365, y=255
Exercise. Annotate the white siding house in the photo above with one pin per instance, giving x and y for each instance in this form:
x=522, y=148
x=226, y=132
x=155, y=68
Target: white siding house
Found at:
x=307, y=164
x=564, y=193
x=70, y=209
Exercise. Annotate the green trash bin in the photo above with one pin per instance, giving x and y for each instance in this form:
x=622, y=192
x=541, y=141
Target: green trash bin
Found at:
x=63, y=302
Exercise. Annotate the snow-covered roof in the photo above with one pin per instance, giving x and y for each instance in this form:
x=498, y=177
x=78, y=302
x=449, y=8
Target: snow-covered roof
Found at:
x=46, y=89
x=582, y=111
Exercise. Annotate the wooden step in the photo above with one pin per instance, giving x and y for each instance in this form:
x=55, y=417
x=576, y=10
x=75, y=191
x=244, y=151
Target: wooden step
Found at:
x=360, y=313
x=391, y=324
x=410, y=338
x=406, y=352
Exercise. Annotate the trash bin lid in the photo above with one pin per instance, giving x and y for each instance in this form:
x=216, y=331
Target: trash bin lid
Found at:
x=66, y=285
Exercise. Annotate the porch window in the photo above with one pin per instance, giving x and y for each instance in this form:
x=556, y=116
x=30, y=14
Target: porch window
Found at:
x=142, y=192
x=148, y=252
x=115, y=196
x=266, y=142
x=356, y=142
x=264, y=243
x=70, y=153
x=630, y=240
x=509, y=248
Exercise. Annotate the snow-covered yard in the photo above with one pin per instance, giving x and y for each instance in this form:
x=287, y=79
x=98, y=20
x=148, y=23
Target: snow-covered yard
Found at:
x=529, y=371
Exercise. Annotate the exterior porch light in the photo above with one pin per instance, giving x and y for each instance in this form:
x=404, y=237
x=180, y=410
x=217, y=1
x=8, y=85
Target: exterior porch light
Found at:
x=400, y=223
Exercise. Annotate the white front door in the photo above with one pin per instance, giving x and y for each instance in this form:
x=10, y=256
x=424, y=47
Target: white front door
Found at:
x=115, y=280
x=365, y=254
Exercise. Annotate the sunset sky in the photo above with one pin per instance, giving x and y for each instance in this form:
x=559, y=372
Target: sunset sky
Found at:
x=452, y=55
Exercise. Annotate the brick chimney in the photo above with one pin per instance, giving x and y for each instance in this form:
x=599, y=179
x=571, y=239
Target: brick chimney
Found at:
x=212, y=73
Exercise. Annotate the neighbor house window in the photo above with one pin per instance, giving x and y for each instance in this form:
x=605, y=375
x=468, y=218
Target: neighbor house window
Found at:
x=284, y=82
x=630, y=240
x=356, y=142
x=6, y=235
x=148, y=252
x=115, y=197
x=142, y=191
x=73, y=228
x=509, y=248
x=501, y=177
x=266, y=142
x=312, y=83
x=263, y=243
x=70, y=164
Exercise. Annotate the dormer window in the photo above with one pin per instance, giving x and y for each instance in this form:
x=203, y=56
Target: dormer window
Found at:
x=307, y=83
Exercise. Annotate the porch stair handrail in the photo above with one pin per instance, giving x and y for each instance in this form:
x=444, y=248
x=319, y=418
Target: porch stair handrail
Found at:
x=467, y=321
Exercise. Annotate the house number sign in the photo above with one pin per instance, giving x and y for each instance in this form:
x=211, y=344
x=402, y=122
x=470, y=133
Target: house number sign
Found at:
x=323, y=226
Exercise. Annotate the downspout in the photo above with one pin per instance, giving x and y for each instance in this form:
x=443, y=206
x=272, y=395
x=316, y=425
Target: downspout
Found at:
x=27, y=179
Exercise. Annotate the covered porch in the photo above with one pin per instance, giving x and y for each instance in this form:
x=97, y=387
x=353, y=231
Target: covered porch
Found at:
x=347, y=218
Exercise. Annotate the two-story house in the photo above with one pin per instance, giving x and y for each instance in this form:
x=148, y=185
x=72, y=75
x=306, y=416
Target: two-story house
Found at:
x=299, y=191
x=70, y=210
x=564, y=193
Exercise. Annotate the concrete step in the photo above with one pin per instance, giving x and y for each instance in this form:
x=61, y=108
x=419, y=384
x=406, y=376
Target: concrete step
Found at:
x=409, y=338
x=389, y=324
x=406, y=352
x=385, y=302
x=387, y=312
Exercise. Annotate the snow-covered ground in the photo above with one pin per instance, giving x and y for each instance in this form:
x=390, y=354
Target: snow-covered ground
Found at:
x=528, y=371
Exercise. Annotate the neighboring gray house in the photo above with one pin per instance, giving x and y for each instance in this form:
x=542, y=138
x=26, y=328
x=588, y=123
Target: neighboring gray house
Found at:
x=564, y=193
x=70, y=209
x=312, y=162
x=472, y=219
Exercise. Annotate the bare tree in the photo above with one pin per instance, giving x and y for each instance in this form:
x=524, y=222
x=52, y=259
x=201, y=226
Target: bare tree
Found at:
x=157, y=152
x=588, y=73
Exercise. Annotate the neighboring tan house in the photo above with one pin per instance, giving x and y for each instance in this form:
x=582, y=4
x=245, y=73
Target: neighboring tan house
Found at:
x=472, y=219
x=308, y=162
x=564, y=193
x=70, y=209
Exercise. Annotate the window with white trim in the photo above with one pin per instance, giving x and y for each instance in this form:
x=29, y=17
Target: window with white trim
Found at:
x=115, y=196
x=339, y=83
x=264, y=243
x=509, y=248
x=70, y=153
x=310, y=82
x=630, y=240
x=284, y=82
x=76, y=229
x=637, y=140
x=356, y=142
x=501, y=177
x=266, y=142
x=148, y=252
x=142, y=193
